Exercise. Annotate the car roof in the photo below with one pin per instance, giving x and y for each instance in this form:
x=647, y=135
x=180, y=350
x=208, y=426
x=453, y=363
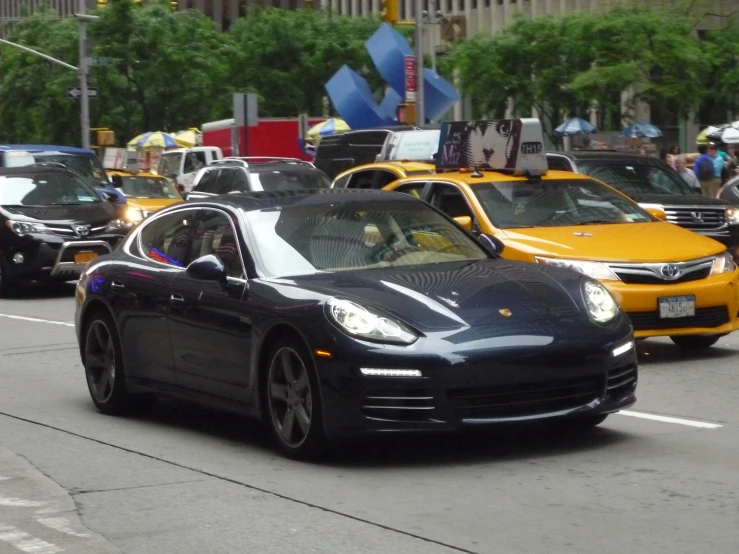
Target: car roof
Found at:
x=494, y=177
x=603, y=155
x=36, y=169
x=44, y=147
x=124, y=173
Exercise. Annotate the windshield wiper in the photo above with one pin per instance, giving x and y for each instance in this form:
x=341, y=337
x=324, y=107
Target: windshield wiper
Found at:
x=598, y=221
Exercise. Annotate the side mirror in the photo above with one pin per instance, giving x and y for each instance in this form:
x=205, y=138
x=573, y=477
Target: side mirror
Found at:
x=492, y=243
x=659, y=213
x=108, y=196
x=208, y=268
x=117, y=181
x=464, y=221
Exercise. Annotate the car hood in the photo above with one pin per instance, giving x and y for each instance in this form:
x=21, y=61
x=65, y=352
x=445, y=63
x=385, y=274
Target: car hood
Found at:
x=98, y=213
x=151, y=204
x=679, y=200
x=449, y=296
x=622, y=242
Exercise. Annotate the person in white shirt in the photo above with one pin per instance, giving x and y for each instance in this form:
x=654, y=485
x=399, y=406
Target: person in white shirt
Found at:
x=687, y=174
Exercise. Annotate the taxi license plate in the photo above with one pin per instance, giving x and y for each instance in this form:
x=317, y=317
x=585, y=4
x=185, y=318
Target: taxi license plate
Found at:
x=84, y=257
x=671, y=307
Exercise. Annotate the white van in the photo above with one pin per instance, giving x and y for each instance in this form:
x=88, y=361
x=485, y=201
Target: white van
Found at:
x=183, y=164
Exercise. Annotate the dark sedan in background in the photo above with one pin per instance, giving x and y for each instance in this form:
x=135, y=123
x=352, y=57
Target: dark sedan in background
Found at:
x=336, y=313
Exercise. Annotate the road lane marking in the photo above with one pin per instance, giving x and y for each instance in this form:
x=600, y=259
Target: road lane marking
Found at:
x=61, y=524
x=25, y=542
x=38, y=320
x=12, y=502
x=669, y=419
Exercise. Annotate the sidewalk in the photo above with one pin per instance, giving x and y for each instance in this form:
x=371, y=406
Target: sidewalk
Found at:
x=38, y=516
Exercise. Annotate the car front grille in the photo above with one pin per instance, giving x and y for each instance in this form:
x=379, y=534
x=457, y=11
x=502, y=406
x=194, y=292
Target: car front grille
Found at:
x=68, y=231
x=398, y=405
x=697, y=218
x=663, y=273
x=704, y=317
x=621, y=381
x=526, y=399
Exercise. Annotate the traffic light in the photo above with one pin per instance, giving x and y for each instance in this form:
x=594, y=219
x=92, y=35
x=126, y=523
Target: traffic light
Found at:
x=102, y=3
x=390, y=11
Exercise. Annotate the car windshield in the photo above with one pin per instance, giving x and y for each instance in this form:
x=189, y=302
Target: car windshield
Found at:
x=147, y=187
x=643, y=177
x=169, y=164
x=315, y=234
x=45, y=189
x=556, y=203
x=287, y=179
x=86, y=165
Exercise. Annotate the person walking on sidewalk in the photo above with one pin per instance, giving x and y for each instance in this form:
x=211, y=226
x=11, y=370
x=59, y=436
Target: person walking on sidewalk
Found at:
x=705, y=171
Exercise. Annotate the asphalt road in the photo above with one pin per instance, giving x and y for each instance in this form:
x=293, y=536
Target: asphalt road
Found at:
x=187, y=480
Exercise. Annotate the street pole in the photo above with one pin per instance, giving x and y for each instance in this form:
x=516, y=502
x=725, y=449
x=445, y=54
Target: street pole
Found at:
x=39, y=54
x=420, y=115
x=85, y=98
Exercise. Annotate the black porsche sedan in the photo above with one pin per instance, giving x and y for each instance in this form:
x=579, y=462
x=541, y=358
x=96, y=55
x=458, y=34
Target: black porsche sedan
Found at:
x=339, y=313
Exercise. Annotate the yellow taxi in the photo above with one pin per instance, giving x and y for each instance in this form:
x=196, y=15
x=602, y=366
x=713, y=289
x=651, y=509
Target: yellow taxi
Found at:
x=670, y=281
x=145, y=193
x=377, y=175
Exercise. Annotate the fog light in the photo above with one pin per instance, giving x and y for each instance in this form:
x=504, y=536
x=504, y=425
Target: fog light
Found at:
x=372, y=372
x=18, y=258
x=623, y=349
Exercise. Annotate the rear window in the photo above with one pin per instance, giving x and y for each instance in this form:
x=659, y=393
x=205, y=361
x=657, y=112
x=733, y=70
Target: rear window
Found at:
x=287, y=179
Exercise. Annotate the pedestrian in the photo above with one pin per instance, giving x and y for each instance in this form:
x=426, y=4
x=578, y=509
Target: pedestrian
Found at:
x=719, y=165
x=687, y=175
x=705, y=171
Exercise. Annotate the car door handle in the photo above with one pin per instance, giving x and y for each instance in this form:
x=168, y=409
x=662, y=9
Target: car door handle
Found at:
x=177, y=299
x=117, y=285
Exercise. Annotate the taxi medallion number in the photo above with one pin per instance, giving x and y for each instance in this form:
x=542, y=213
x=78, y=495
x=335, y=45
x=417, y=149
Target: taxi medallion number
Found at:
x=84, y=257
x=672, y=307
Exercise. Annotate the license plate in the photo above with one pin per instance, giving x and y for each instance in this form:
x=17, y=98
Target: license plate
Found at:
x=84, y=257
x=671, y=307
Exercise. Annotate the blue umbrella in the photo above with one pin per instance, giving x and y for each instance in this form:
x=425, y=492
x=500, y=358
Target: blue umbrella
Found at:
x=575, y=126
x=642, y=129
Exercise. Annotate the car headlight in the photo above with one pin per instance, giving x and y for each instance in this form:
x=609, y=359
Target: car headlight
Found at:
x=116, y=225
x=732, y=215
x=601, y=306
x=723, y=263
x=27, y=228
x=359, y=321
x=596, y=270
x=134, y=215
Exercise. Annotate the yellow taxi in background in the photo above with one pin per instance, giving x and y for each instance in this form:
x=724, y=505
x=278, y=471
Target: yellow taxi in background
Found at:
x=670, y=281
x=145, y=193
x=377, y=175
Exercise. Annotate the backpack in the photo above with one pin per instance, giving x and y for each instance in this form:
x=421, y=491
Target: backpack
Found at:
x=706, y=171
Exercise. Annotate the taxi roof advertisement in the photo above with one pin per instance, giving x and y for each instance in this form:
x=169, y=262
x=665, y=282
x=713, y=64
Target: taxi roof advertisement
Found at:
x=515, y=145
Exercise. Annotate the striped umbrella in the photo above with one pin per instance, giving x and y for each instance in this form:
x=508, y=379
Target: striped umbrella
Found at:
x=642, y=129
x=158, y=138
x=189, y=137
x=575, y=126
x=328, y=127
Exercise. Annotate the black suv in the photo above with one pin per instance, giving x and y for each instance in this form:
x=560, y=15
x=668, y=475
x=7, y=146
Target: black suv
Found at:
x=231, y=175
x=654, y=184
x=52, y=223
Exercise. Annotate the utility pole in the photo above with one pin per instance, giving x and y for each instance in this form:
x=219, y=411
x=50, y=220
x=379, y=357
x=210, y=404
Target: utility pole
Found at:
x=85, y=97
x=420, y=113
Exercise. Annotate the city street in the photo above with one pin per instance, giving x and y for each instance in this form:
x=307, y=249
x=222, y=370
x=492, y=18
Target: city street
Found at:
x=662, y=478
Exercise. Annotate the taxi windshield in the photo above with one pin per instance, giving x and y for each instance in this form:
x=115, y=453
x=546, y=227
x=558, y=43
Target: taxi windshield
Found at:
x=147, y=187
x=643, y=177
x=556, y=203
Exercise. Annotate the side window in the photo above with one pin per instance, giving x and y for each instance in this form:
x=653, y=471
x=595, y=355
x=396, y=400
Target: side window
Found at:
x=414, y=189
x=361, y=179
x=215, y=234
x=207, y=181
x=240, y=180
x=384, y=178
x=559, y=163
x=450, y=200
x=200, y=160
x=225, y=180
x=167, y=239
x=342, y=182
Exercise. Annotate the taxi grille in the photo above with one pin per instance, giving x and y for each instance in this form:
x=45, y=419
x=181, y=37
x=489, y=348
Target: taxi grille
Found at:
x=645, y=279
x=704, y=317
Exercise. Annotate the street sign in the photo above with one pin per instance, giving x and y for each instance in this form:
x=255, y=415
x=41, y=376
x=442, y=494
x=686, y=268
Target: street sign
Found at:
x=101, y=61
x=76, y=93
x=411, y=79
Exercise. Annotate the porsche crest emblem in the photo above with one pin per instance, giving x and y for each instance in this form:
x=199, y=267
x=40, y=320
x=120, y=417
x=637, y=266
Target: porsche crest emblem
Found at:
x=505, y=312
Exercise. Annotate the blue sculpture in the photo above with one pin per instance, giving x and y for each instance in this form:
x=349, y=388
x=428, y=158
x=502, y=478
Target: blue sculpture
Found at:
x=354, y=101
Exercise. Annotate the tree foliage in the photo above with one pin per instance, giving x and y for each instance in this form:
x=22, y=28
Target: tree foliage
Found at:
x=173, y=69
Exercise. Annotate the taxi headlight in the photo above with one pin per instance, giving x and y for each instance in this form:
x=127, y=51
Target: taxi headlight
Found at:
x=363, y=323
x=599, y=303
x=732, y=215
x=723, y=263
x=596, y=270
x=134, y=215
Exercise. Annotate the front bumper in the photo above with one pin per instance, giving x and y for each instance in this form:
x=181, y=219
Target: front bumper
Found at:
x=716, y=306
x=469, y=388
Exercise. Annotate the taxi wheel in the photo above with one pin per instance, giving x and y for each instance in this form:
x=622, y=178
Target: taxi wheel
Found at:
x=695, y=342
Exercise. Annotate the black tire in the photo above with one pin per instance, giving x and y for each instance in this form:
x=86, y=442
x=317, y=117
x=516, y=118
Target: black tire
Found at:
x=580, y=423
x=104, y=370
x=291, y=392
x=695, y=342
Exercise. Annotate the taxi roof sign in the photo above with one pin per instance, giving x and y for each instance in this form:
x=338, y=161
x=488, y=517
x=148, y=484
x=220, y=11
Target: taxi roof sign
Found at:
x=513, y=146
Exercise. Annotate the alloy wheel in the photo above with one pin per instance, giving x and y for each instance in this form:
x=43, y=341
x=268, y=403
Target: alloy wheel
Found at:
x=290, y=398
x=100, y=361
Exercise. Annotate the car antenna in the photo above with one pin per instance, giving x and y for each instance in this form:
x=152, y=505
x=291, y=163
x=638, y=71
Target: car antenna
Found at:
x=476, y=172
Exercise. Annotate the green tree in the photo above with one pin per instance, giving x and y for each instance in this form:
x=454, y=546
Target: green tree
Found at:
x=722, y=51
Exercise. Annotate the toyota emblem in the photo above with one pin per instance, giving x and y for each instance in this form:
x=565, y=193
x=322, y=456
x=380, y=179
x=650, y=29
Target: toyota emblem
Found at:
x=670, y=271
x=697, y=216
x=82, y=230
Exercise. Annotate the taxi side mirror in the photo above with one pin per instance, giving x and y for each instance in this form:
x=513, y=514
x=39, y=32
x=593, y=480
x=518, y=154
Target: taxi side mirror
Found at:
x=491, y=243
x=464, y=221
x=658, y=213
